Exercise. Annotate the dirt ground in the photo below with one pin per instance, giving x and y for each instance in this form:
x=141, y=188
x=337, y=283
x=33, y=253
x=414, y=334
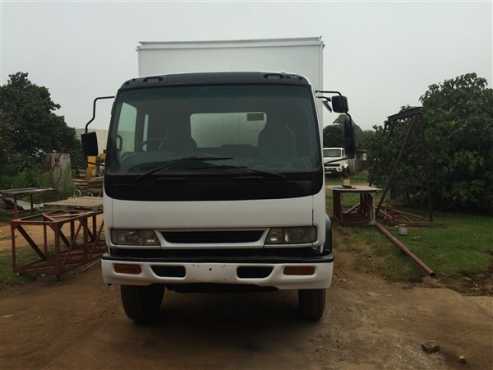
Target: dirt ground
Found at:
x=370, y=324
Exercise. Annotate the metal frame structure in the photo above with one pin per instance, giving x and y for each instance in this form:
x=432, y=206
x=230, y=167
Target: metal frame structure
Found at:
x=68, y=252
x=362, y=213
x=415, y=115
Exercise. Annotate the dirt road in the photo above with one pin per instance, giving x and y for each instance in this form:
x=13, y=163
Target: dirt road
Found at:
x=371, y=324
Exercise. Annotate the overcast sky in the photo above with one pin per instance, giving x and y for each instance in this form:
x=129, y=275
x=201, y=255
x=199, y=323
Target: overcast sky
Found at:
x=382, y=55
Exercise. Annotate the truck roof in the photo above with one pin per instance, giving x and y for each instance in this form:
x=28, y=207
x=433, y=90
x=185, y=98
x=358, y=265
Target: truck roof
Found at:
x=215, y=78
x=242, y=43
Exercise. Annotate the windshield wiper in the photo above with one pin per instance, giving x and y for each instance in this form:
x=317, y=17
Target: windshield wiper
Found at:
x=171, y=163
x=254, y=171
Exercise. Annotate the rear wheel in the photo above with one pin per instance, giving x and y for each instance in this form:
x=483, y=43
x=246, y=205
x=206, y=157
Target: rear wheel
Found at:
x=311, y=304
x=142, y=303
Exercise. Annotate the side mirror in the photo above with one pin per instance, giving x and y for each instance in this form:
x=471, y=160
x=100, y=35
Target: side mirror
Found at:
x=89, y=140
x=89, y=143
x=349, y=140
x=339, y=104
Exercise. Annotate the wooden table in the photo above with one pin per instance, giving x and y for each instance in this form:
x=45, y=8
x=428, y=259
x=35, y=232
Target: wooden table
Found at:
x=88, y=203
x=362, y=213
x=17, y=193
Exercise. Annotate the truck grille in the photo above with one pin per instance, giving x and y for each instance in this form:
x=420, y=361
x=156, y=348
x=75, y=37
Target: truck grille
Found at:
x=216, y=236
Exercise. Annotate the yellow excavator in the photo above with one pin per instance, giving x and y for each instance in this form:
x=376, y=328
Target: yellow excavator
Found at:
x=94, y=164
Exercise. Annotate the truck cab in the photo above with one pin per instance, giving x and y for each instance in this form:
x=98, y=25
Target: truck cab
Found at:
x=212, y=181
x=335, y=161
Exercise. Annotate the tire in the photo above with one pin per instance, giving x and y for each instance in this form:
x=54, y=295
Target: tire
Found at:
x=311, y=304
x=142, y=303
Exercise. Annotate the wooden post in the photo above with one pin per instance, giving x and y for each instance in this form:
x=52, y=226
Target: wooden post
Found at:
x=12, y=230
x=72, y=232
x=58, y=262
x=85, y=232
x=45, y=239
x=337, y=208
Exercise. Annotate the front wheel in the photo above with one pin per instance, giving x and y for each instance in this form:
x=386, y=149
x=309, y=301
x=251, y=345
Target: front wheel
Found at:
x=142, y=303
x=311, y=304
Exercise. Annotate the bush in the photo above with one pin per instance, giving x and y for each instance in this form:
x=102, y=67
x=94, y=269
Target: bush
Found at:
x=29, y=177
x=451, y=149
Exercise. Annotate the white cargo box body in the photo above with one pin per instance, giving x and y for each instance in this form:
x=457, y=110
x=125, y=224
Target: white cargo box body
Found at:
x=301, y=56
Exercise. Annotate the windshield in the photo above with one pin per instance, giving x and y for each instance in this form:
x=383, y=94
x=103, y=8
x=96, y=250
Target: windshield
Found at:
x=332, y=152
x=259, y=127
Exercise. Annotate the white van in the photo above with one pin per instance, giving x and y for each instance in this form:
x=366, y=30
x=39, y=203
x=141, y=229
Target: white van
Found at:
x=335, y=161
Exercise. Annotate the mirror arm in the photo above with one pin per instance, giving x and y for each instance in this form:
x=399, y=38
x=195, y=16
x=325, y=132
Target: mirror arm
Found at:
x=325, y=102
x=328, y=92
x=94, y=109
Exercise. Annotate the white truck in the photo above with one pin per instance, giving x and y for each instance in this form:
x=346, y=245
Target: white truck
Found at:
x=214, y=177
x=335, y=161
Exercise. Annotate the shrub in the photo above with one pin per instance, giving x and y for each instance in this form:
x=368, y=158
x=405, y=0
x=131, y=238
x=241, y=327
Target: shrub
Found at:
x=451, y=148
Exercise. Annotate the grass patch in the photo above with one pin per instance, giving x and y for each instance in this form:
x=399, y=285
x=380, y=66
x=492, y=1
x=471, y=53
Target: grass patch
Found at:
x=360, y=177
x=7, y=276
x=5, y=215
x=460, y=244
x=457, y=245
x=376, y=254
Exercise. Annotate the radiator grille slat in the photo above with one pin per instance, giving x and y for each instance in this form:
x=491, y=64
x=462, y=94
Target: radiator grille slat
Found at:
x=219, y=236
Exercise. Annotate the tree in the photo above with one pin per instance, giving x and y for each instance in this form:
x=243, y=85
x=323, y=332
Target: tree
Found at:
x=333, y=135
x=450, y=148
x=29, y=128
x=365, y=139
x=459, y=132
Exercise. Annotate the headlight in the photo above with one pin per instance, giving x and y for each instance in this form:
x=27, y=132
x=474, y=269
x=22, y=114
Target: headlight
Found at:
x=292, y=235
x=134, y=237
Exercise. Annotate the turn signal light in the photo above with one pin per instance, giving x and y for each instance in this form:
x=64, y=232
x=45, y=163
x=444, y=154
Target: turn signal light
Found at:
x=127, y=268
x=299, y=270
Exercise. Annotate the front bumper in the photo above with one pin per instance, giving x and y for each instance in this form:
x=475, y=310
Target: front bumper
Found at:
x=222, y=271
x=333, y=169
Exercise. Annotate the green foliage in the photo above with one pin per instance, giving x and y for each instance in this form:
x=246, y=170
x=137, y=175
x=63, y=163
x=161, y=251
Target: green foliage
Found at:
x=365, y=139
x=29, y=129
x=28, y=177
x=333, y=135
x=459, y=116
x=449, y=150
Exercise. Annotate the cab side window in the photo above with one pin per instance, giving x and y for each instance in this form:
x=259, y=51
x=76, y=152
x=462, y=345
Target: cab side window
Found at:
x=126, y=127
